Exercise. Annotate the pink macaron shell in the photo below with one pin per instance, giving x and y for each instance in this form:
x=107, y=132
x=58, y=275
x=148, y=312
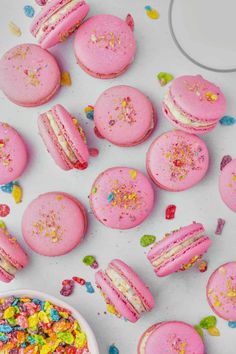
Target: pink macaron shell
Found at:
x=122, y=212
x=124, y=116
x=54, y=224
x=177, y=160
x=171, y=337
x=227, y=185
x=105, y=46
x=13, y=154
x=65, y=24
x=24, y=75
x=221, y=291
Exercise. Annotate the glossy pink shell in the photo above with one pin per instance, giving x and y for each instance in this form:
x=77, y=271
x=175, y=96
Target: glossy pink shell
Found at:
x=227, y=185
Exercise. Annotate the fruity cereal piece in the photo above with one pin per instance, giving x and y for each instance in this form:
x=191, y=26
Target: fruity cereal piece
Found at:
x=170, y=212
x=152, y=13
x=164, y=78
x=147, y=240
x=65, y=78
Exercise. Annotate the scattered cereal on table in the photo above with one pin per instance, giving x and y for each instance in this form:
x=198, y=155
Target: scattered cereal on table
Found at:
x=152, y=13
x=67, y=287
x=4, y=210
x=147, y=240
x=213, y=331
x=208, y=322
x=170, y=212
x=89, y=287
x=220, y=226
x=225, y=160
x=90, y=261
x=93, y=152
x=202, y=266
x=113, y=349
x=227, y=120
x=89, y=111
x=164, y=78
x=17, y=193
x=14, y=29
x=78, y=280
x=65, y=78
x=232, y=324
x=130, y=21
x=7, y=188
x=29, y=11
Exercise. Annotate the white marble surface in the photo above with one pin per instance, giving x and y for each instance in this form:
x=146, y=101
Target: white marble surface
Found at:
x=180, y=296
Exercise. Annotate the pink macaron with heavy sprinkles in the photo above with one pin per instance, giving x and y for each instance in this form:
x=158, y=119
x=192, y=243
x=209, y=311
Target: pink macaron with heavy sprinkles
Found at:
x=177, y=160
x=57, y=20
x=194, y=104
x=172, y=337
x=13, y=154
x=12, y=257
x=54, y=224
x=179, y=250
x=29, y=75
x=227, y=185
x=105, y=46
x=64, y=138
x=125, y=293
x=124, y=116
x=121, y=198
x=221, y=291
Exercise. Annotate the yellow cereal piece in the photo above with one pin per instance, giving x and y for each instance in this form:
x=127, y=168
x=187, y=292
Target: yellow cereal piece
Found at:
x=17, y=193
x=33, y=320
x=64, y=314
x=214, y=332
x=65, y=78
x=80, y=340
x=46, y=348
x=14, y=29
x=133, y=174
x=24, y=299
x=9, y=312
x=153, y=14
x=111, y=309
x=43, y=317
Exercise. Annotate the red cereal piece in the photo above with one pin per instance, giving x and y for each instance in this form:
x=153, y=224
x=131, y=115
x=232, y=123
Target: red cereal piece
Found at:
x=78, y=280
x=225, y=160
x=93, y=152
x=81, y=166
x=170, y=212
x=71, y=350
x=202, y=266
x=130, y=21
x=66, y=282
x=4, y=210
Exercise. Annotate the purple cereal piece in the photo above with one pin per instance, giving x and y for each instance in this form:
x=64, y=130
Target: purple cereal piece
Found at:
x=220, y=226
x=94, y=265
x=225, y=160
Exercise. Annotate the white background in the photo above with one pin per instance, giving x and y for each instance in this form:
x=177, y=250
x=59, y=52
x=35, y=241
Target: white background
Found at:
x=180, y=296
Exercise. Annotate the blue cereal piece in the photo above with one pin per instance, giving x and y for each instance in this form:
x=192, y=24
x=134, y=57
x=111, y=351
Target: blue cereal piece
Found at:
x=54, y=315
x=148, y=8
x=15, y=302
x=232, y=324
x=29, y=11
x=89, y=287
x=31, y=340
x=3, y=338
x=227, y=120
x=5, y=328
x=7, y=188
x=113, y=349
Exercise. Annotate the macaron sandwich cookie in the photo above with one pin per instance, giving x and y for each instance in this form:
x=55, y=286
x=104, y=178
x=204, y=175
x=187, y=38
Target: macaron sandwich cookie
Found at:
x=121, y=198
x=24, y=75
x=227, y=185
x=221, y=291
x=179, y=250
x=177, y=160
x=124, y=116
x=13, y=154
x=54, y=224
x=105, y=46
x=125, y=293
x=64, y=138
x=172, y=337
x=12, y=257
x=194, y=104
x=57, y=20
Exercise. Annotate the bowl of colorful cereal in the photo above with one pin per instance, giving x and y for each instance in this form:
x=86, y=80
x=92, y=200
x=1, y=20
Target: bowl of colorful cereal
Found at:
x=34, y=322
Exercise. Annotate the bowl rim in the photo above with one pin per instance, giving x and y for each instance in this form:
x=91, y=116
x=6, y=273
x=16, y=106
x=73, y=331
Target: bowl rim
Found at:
x=92, y=342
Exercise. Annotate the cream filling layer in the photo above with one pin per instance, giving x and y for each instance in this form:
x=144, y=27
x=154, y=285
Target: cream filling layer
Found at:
x=173, y=251
x=183, y=117
x=61, y=139
x=123, y=286
x=144, y=341
x=7, y=266
x=54, y=18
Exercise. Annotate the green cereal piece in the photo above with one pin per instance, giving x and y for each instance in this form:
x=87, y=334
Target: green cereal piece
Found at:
x=89, y=260
x=94, y=190
x=66, y=337
x=199, y=330
x=11, y=321
x=147, y=240
x=208, y=322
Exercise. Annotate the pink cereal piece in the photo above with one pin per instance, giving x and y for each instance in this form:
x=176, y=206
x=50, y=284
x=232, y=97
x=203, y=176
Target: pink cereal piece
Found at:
x=22, y=321
x=220, y=226
x=4, y=210
x=93, y=152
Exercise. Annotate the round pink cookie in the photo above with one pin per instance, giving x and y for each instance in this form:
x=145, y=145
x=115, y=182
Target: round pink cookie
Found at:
x=221, y=291
x=179, y=250
x=124, y=291
x=121, y=198
x=194, y=104
x=227, y=185
x=57, y=20
x=13, y=154
x=104, y=46
x=177, y=160
x=54, y=224
x=29, y=75
x=172, y=337
x=64, y=138
x=124, y=116
x=12, y=257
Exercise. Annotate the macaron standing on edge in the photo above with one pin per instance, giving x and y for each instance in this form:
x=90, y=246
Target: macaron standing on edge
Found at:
x=179, y=250
x=194, y=104
x=121, y=198
x=24, y=75
x=64, y=138
x=54, y=224
x=57, y=20
x=13, y=154
x=104, y=46
x=124, y=116
x=227, y=185
x=125, y=293
x=177, y=160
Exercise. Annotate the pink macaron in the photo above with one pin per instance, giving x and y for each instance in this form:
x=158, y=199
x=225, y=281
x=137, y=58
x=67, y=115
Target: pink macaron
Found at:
x=64, y=138
x=194, y=104
x=179, y=250
x=172, y=337
x=54, y=224
x=57, y=20
x=29, y=75
x=12, y=257
x=13, y=154
x=121, y=198
x=177, y=160
x=104, y=46
x=124, y=116
x=124, y=291
x=221, y=291
x=227, y=185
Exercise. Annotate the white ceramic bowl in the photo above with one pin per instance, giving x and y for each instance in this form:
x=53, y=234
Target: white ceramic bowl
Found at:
x=92, y=343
